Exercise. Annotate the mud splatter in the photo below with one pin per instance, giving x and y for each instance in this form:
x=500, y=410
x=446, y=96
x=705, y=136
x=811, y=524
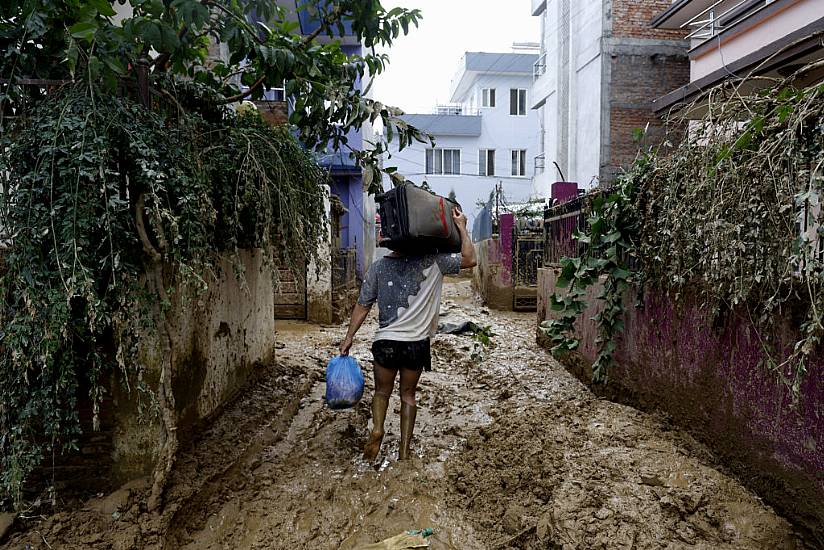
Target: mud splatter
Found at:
x=510, y=453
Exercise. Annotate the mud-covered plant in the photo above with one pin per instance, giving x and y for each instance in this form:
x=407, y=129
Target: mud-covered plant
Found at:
x=481, y=341
x=608, y=246
x=730, y=219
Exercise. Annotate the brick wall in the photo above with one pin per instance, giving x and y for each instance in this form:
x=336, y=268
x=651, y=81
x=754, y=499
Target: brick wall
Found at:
x=639, y=76
x=631, y=19
x=273, y=112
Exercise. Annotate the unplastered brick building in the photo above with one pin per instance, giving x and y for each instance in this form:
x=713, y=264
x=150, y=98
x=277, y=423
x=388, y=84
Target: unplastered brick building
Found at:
x=601, y=66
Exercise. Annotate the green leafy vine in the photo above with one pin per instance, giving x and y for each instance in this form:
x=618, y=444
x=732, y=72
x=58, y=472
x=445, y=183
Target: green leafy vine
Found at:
x=730, y=218
x=96, y=190
x=608, y=245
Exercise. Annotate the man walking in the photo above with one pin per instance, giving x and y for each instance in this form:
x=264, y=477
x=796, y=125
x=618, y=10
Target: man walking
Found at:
x=407, y=289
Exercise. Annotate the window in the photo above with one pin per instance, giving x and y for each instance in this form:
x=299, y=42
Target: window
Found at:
x=519, y=162
x=443, y=161
x=517, y=102
x=488, y=97
x=486, y=162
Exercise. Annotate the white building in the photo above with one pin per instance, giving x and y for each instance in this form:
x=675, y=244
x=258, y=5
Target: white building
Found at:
x=601, y=66
x=488, y=135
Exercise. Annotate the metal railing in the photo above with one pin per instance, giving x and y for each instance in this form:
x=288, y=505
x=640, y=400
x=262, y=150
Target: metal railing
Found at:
x=539, y=67
x=710, y=23
x=455, y=109
x=560, y=224
x=540, y=163
x=344, y=274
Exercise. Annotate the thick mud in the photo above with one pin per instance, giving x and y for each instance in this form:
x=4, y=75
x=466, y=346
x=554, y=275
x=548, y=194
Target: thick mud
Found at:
x=511, y=452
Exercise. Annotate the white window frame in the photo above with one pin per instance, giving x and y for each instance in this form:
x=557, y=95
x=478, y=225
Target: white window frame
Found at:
x=488, y=98
x=434, y=161
x=483, y=162
x=519, y=105
x=518, y=162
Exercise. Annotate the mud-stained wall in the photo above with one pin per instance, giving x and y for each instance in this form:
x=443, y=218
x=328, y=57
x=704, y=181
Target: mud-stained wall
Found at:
x=710, y=375
x=219, y=336
x=492, y=277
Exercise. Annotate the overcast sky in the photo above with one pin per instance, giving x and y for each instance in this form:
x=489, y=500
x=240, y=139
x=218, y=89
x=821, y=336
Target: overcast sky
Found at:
x=424, y=62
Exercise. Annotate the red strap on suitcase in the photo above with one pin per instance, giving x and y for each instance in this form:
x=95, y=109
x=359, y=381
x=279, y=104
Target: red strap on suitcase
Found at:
x=443, y=218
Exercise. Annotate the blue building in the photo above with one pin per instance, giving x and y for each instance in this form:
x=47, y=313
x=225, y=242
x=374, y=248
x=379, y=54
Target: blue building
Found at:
x=356, y=224
x=327, y=295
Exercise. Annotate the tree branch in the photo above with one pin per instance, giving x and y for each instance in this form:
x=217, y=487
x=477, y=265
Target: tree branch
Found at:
x=140, y=224
x=243, y=95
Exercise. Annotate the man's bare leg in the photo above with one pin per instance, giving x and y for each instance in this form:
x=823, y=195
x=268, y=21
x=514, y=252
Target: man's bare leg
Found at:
x=384, y=383
x=409, y=409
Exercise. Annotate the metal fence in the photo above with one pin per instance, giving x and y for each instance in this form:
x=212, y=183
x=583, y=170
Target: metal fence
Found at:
x=560, y=224
x=344, y=273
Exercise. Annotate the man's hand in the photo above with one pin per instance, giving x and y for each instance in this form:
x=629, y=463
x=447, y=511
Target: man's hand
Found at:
x=468, y=258
x=460, y=218
x=345, y=345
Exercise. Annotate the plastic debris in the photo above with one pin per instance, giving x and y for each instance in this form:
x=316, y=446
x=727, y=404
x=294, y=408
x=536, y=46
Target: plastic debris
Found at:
x=404, y=541
x=344, y=382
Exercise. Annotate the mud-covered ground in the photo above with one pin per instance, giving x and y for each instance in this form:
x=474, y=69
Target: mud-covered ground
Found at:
x=512, y=452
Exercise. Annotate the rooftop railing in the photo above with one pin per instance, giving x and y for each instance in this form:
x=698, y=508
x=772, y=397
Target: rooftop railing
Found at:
x=714, y=19
x=455, y=109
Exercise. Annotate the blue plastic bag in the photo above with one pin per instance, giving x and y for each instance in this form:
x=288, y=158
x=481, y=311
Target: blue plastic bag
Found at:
x=344, y=382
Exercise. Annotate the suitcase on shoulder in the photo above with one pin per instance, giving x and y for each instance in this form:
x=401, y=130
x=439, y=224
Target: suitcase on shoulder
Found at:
x=417, y=221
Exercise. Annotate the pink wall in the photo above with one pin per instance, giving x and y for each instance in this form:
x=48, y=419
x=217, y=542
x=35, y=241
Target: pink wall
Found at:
x=788, y=20
x=563, y=191
x=506, y=225
x=708, y=374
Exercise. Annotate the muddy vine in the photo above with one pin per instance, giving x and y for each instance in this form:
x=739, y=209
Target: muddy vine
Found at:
x=730, y=213
x=97, y=192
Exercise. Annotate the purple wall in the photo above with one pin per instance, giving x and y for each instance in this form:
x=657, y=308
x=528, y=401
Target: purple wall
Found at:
x=506, y=225
x=563, y=191
x=708, y=374
x=349, y=189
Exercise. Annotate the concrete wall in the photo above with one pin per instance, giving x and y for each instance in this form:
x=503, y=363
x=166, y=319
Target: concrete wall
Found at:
x=708, y=374
x=218, y=338
x=319, y=277
x=492, y=277
x=569, y=92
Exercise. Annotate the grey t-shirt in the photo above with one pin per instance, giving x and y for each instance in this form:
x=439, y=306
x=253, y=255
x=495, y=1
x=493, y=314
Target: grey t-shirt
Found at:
x=408, y=292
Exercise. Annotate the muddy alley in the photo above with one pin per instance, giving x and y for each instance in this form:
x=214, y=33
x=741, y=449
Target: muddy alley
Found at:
x=510, y=452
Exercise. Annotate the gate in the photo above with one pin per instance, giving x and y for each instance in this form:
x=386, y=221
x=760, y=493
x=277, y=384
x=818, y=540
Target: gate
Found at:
x=527, y=258
x=290, y=294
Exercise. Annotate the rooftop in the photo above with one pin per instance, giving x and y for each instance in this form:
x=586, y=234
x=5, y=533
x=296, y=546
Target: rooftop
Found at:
x=446, y=125
x=474, y=64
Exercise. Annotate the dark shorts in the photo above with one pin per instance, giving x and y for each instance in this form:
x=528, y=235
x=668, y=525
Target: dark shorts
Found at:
x=395, y=355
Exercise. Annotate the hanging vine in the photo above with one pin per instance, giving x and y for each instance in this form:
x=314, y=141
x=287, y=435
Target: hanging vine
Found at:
x=730, y=217
x=97, y=191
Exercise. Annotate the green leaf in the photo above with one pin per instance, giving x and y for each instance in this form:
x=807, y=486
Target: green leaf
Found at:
x=612, y=237
x=115, y=65
x=168, y=38
x=621, y=274
x=72, y=54
x=84, y=30
x=103, y=7
x=151, y=34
